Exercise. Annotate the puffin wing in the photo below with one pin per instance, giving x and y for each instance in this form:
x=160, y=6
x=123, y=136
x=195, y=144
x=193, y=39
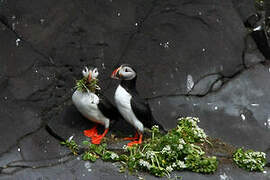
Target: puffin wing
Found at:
x=107, y=108
x=142, y=111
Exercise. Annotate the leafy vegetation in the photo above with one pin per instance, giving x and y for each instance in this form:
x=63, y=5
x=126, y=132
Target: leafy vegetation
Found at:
x=182, y=148
x=85, y=86
x=72, y=145
x=176, y=150
x=259, y=4
x=249, y=160
x=93, y=152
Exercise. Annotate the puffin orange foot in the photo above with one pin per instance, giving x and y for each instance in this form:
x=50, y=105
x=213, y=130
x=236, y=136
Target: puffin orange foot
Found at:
x=97, y=139
x=132, y=138
x=133, y=142
x=91, y=132
x=136, y=142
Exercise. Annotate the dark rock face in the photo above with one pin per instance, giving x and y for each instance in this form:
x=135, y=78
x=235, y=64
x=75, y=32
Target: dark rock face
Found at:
x=235, y=112
x=16, y=122
x=193, y=58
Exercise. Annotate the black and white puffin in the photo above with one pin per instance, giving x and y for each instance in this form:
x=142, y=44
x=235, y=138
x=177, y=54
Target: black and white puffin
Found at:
x=94, y=107
x=131, y=106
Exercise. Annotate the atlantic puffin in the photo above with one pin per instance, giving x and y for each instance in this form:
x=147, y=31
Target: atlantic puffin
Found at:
x=131, y=106
x=96, y=108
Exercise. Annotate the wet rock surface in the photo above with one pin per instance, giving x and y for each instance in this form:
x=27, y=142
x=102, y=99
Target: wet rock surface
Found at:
x=192, y=58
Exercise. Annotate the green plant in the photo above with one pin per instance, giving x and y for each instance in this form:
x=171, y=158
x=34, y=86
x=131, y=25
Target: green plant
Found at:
x=71, y=144
x=94, y=152
x=180, y=149
x=259, y=4
x=84, y=85
x=250, y=160
x=176, y=150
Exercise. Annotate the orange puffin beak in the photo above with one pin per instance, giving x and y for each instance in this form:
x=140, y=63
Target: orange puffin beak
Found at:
x=89, y=76
x=115, y=74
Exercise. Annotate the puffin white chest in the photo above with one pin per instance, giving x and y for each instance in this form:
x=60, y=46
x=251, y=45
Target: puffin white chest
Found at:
x=122, y=101
x=87, y=103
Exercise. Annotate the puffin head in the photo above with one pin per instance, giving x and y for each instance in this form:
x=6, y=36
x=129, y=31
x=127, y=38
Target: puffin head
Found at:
x=90, y=73
x=124, y=72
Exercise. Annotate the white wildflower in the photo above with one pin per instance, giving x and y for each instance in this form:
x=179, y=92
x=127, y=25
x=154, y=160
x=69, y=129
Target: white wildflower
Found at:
x=125, y=147
x=194, y=123
x=180, y=147
x=199, y=132
x=150, y=154
x=248, y=155
x=174, y=165
x=258, y=154
x=193, y=120
x=169, y=168
x=166, y=149
x=145, y=164
x=181, y=164
x=188, y=118
x=182, y=141
x=114, y=156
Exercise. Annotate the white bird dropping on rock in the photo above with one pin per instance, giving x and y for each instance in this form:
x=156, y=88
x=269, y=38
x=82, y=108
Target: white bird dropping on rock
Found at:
x=165, y=45
x=87, y=165
x=103, y=66
x=267, y=123
x=42, y=21
x=223, y=177
x=70, y=138
x=17, y=41
x=243, y=117
x=13, y=26
x=190, y=82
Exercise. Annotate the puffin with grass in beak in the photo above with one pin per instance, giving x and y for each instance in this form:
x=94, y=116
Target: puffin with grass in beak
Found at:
x=94, y=107
x=131, y=106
